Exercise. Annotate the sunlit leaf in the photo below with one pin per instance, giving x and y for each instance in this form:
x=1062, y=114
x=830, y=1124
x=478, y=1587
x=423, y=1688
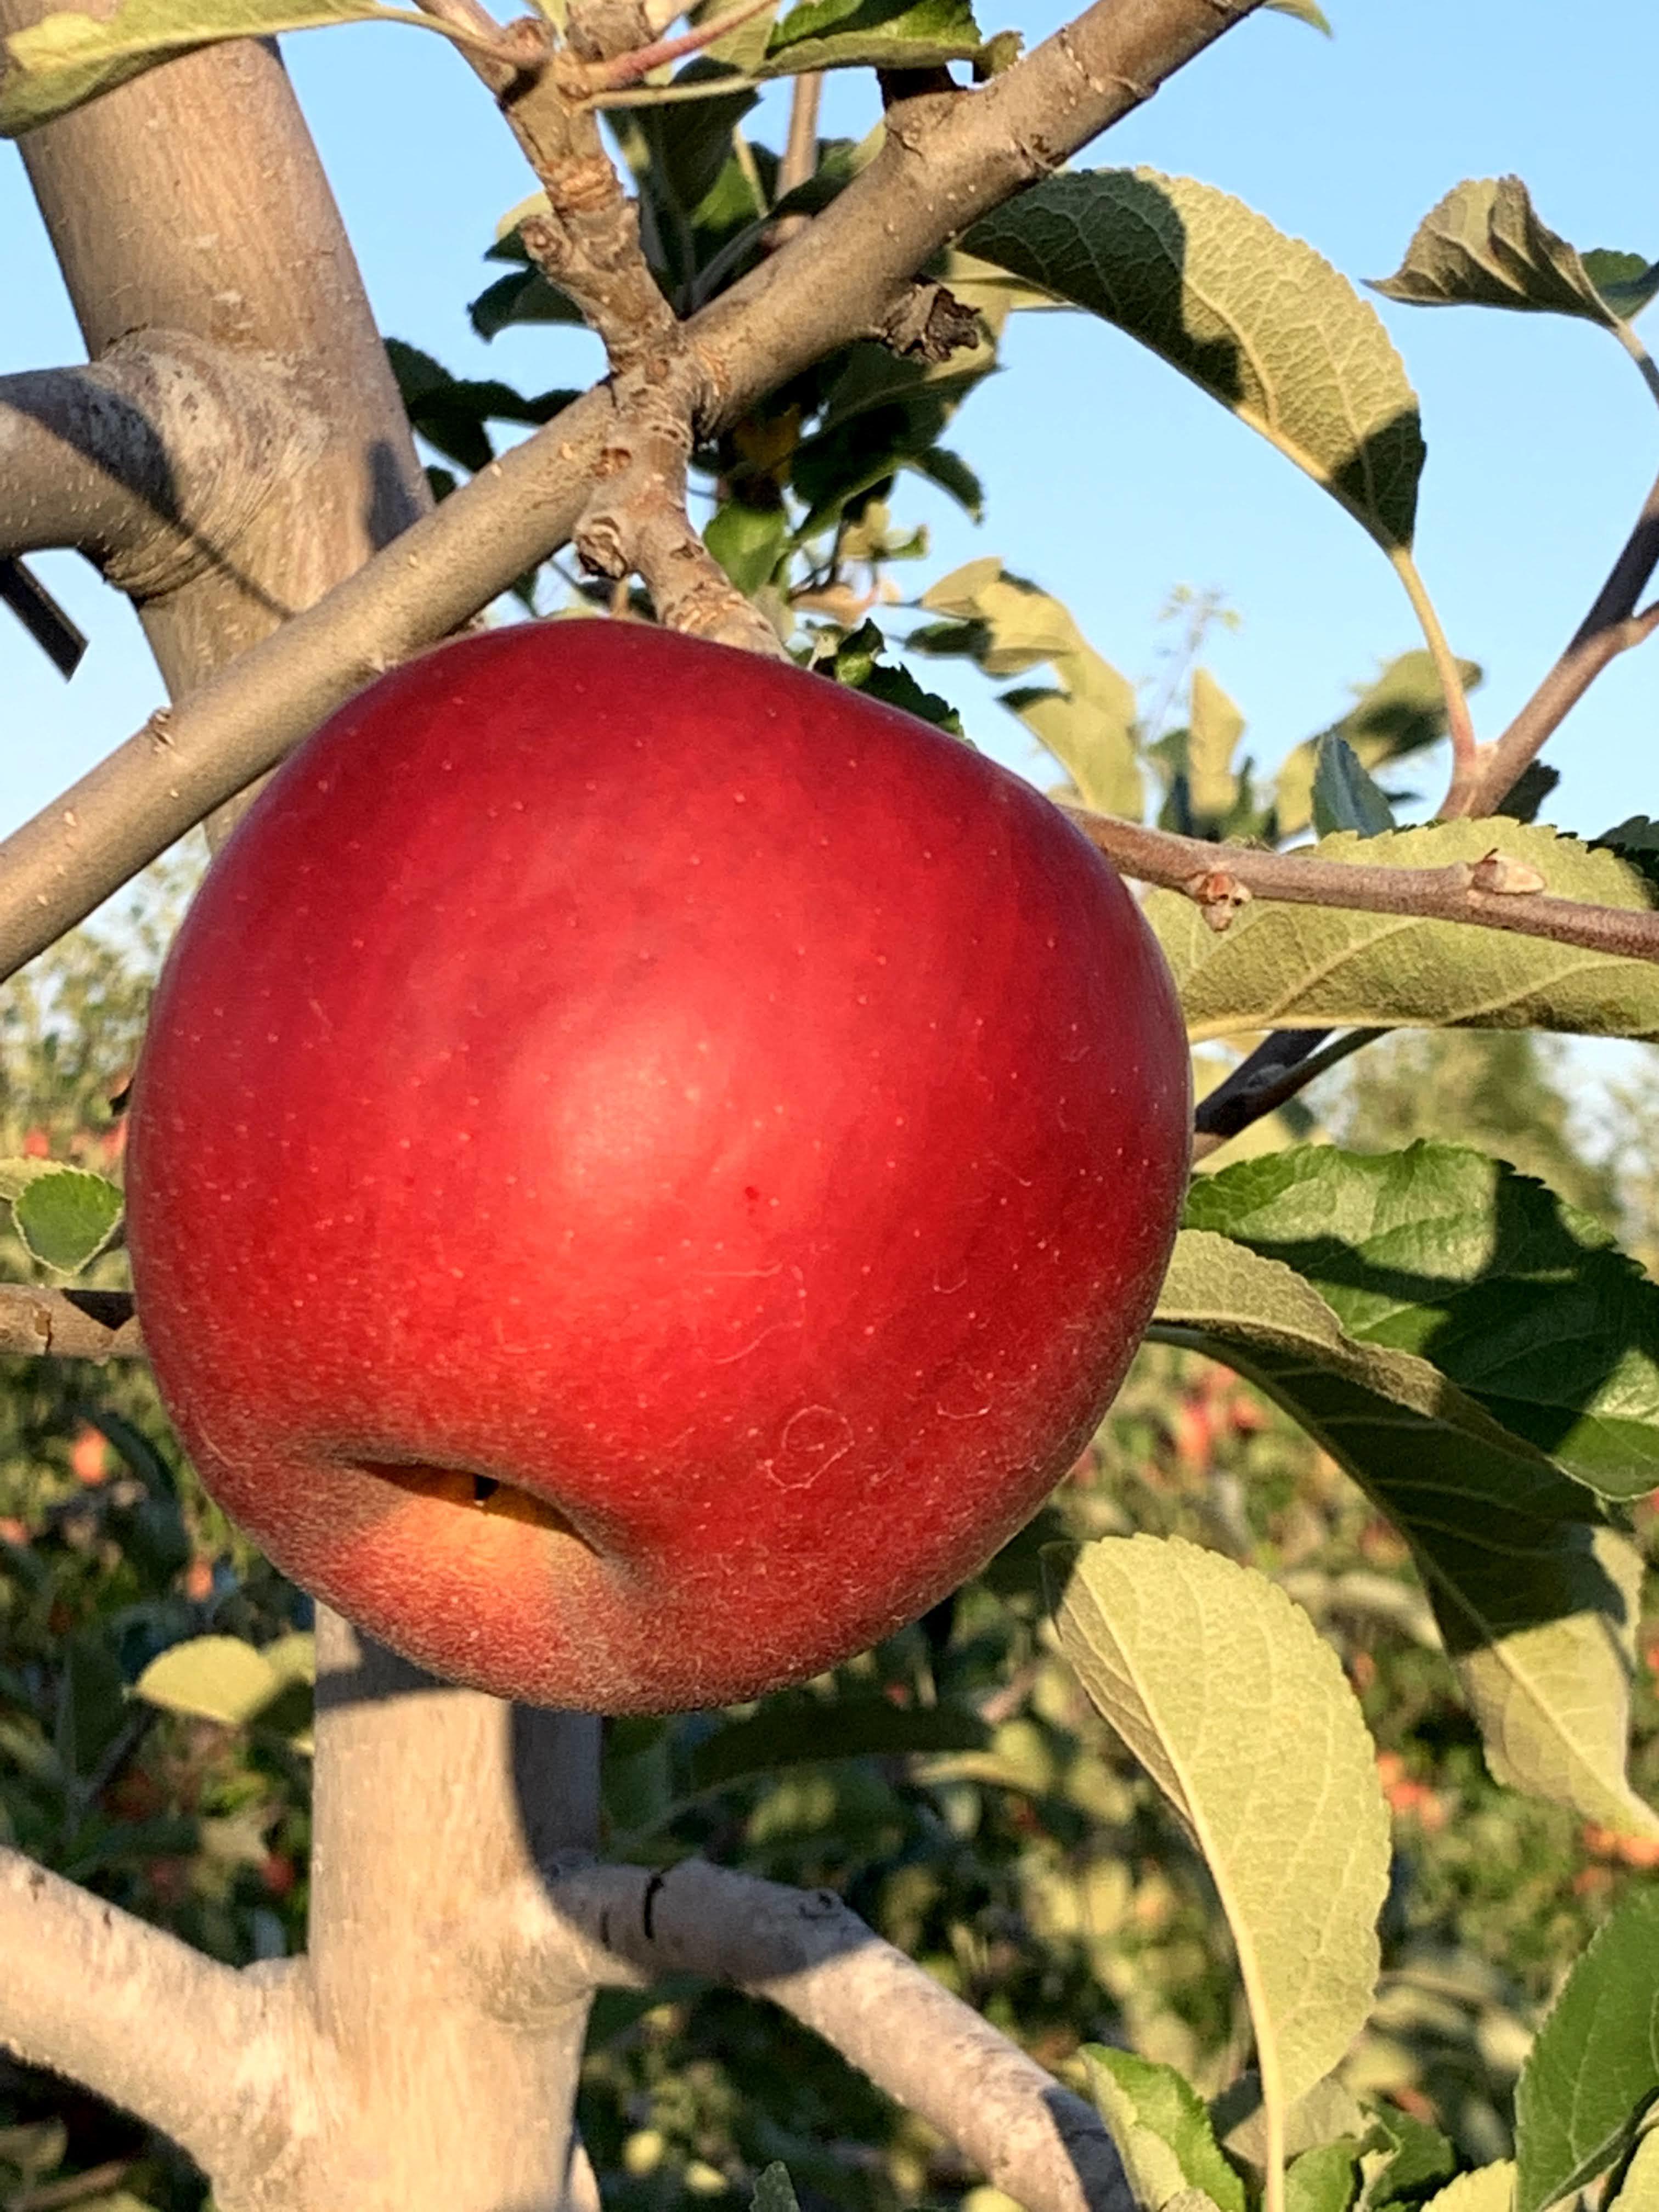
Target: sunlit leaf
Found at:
x=1162, y=2129
x=822, y=34
x=216, y=1678
x=1298, y=967
x=67, y=1217
x=1344, y=796
x=1535, y=1596
x=1205, y=1669
x=1524, y=1301
x=1256, y=319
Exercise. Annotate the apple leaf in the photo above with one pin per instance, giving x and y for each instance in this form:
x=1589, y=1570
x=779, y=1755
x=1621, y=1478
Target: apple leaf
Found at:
x=66, y=1217
x=1214, y=728
x=1400, y=713
x=1256, y=319
x=1006, y=626
x=1484, y=246
x=824, y=35
x=748, y=542
x=1298, y=967
x=1344, y=796
x=1594, y=2068
x=773, y=2190
x=16, y=1175
x=793, y=1731
x=1524, y=1302
x=1403, y=2159
x=1533, y=1595
x=1205, y=1669
x=215, y=1678
x=67, y=59
x=1488, y=2189
x=1305, y=11
x=1639, y=2189
x=1162, y=2129
x=1324, y=2179
x=450, y=412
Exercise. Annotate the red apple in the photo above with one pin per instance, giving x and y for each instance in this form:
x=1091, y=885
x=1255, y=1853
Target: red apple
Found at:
x=647, y=1166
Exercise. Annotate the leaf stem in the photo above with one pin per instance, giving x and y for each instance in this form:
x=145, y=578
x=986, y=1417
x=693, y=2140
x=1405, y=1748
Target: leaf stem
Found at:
x=1466, y=756
x=1639, y=354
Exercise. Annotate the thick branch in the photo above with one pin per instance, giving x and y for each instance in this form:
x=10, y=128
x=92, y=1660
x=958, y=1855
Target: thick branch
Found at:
x=152, y=462
x=808, y=1953
x=833, y=283
x=190, y=2045
x=70, y=1324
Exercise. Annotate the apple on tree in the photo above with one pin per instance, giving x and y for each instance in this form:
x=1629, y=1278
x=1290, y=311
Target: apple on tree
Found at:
x=647, y=1165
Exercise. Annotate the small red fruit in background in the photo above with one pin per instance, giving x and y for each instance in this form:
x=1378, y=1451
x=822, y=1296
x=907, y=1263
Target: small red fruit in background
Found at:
x=647, y=1166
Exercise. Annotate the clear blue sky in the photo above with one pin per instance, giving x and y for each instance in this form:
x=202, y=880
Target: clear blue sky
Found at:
x=1108, y=478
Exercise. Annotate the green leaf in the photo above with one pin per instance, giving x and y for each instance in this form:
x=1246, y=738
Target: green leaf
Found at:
x=1524, y=1302
x=1344, y=796
x=1594, y=2068
x=1634, y=840
x=1257, y=320
x=1006, y=626
x=857, y=665
x=1324, y=2179
x=1484, y=246
x=1405, y=2159
x=1300, y=967
x=1535, y=1596
x=1488, y=2189
x=822, y=34
x=774, y=2190
x=16, y=1175
x=748, y=542
x=450, y=411
x=67, y=1217
x=1162, y=2129
x=68, y=59
x=1403, y=711
x=1205, y=1669
x=216, y=1678
x=91, y=1701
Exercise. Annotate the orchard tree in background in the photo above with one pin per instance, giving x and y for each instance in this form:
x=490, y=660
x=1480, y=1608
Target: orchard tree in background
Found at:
x=793, y=330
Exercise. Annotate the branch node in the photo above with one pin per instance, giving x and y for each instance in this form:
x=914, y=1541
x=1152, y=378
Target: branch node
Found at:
x=1218, y=894
x=929, y=323
x=1495, y=871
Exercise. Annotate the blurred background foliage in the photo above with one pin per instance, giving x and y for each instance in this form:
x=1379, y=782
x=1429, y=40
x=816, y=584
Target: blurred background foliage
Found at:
x=979, y=1813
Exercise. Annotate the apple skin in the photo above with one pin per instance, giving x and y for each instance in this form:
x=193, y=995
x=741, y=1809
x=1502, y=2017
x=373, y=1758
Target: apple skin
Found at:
x=730, y=1114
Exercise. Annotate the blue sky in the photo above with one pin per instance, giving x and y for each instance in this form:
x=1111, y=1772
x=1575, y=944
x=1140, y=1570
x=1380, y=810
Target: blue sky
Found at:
x=1108, y=478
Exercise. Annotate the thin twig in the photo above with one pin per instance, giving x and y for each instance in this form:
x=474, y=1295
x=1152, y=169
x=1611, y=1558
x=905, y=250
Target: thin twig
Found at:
x=1233, y=1105
x=596, y=78
x=800, y=156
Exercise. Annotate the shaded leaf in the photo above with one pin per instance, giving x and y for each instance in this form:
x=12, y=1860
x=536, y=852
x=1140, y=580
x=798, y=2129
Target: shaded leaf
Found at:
x=1298, y=967
x=857, y=664
x=1204, y=1668
x=67, y=1217
x=1344, y=796
x=1161, y=2128
x=68, y=59
x=1256, y=319
x=774, y=2190
x=1403, y=711
x=1525, y=1302
x=1488, y=2189
x=1484, y=246
x=1594, y=2067
x=1324, y=2179
x=450, y=411
x=791, y=1732
x=1535, y=1596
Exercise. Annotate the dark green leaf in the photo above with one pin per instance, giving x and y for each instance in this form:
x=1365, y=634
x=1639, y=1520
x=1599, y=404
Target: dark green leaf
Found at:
x=1625, y=281
x=1524, y=1301
x=67, y=1217
x=450, y=412
x=1594, y=2069
x=1419, y=2159
x=1344, y=796
x=91, y=1701
x=1636, y=840
x=951, y=474
x=1525, y=796
x=525, y=296
x=1403, y=711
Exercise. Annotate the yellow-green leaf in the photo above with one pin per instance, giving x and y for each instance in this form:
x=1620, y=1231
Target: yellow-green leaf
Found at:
x=217, y=1678
x=1298, y=967
x=1488, y=2189
x=1206, y=1670
x=1485, y=246
x=1256, y=319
